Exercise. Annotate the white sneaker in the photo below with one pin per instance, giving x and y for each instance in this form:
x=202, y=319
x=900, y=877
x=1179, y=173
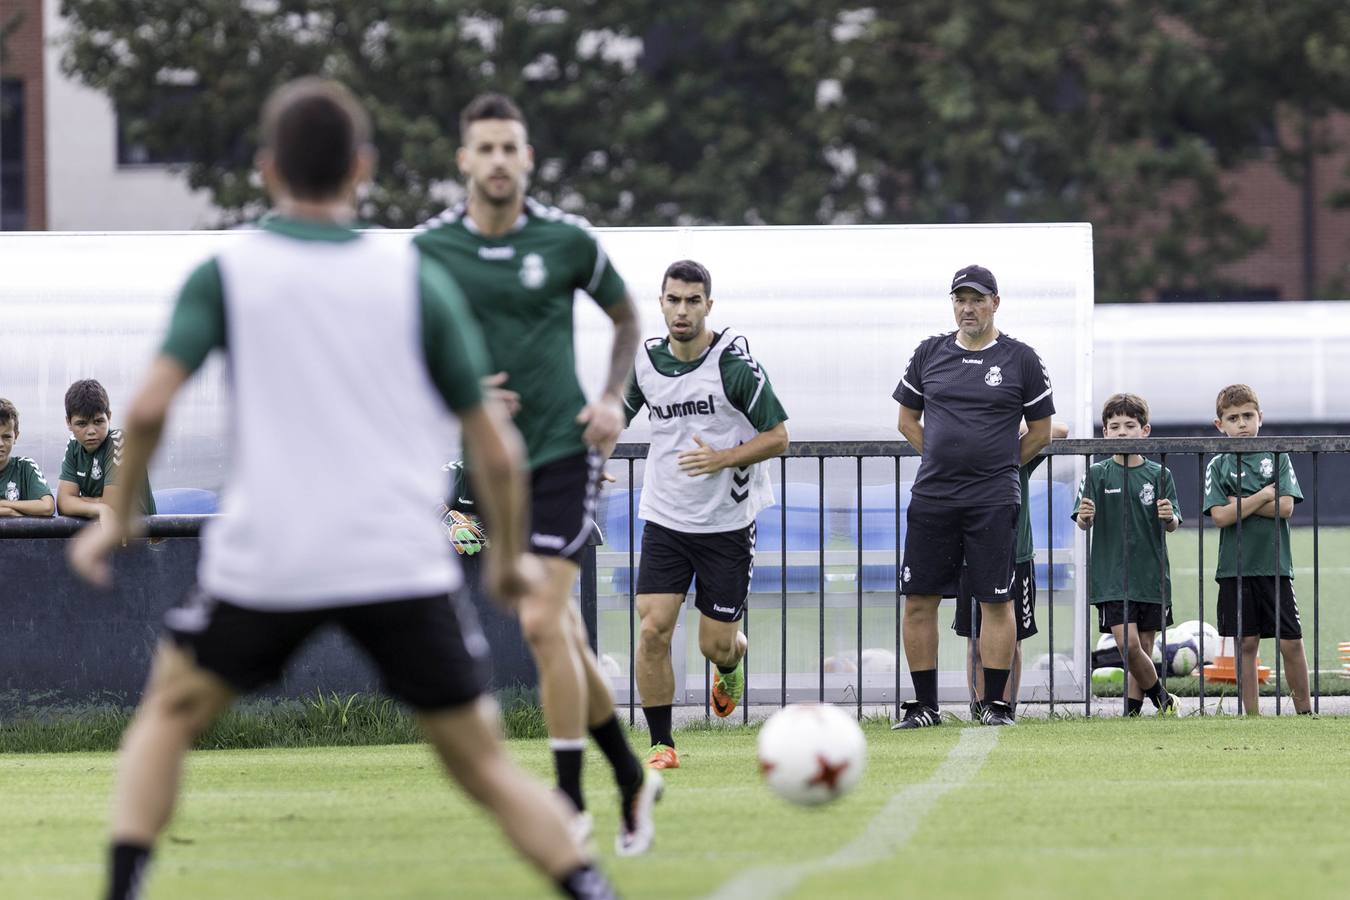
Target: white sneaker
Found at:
x=580, y=826
x=639, y=839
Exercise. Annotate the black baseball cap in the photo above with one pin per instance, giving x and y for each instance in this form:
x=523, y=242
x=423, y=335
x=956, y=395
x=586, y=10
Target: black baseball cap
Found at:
x=977, y=277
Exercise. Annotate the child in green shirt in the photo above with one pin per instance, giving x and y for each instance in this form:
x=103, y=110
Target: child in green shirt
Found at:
x=1130, y=583
x=89, y=471
x=23, y=488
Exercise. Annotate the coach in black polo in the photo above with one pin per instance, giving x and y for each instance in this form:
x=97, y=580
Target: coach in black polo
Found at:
x=962, y=400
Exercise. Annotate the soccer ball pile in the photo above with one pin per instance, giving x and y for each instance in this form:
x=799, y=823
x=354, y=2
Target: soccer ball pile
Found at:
x=811, y=753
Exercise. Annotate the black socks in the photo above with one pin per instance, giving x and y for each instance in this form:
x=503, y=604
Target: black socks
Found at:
x=925, y=687
x=129, y=862
x=658, y=723
x=995, y=682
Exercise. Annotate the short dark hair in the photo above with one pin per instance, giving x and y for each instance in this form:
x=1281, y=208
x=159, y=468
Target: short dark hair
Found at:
x=688, y=271
x=489, y=106
x=1234, y=395
x=86, y=398
x=1129, y=405
x=9, y=414
x=315, y=128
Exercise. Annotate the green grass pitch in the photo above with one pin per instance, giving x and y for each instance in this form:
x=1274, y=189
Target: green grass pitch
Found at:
x=1070, y=808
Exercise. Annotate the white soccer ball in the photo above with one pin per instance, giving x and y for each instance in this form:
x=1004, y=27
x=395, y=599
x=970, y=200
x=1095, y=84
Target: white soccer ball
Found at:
x=811, y=753
x=1106, y=642
x=609, y=666
x=1183, y=657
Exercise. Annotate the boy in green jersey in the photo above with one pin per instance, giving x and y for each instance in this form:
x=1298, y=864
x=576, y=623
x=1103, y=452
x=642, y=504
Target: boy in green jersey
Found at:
x=1261, y=570
x=88, y=485
x=23, y=489
x=1130, y=583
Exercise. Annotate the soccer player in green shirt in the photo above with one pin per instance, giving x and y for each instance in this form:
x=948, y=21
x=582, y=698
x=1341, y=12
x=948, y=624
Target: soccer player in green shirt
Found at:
x=520, y=264
x=23, y=488
x=88, y=487
x=1238, y=414
x=1131, y=585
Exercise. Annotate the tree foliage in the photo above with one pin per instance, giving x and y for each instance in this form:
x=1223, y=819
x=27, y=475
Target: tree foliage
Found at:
x=1128, y=115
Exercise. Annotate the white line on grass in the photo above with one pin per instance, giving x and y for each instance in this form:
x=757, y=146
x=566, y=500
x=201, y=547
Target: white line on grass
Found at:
x=887, y=832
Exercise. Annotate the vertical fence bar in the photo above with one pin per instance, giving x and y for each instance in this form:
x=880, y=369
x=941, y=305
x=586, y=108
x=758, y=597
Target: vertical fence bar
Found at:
x=820, y=584
x=632, y=598
x=1279, y=529
x=782, y=582
x=860, y=586
x=1126, y=508
x=1049, y=568
x=898, y=611
x=1087, y=609
x=1200, y=570
x=1164, y=583
x=1237, y=641
x=1317, y=571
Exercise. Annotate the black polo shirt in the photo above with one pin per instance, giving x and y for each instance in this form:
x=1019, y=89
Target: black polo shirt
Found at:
x=973, y=403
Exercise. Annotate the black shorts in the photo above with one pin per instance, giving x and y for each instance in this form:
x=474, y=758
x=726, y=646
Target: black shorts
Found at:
x=1145, y=616
x=429, y=651
x=1023, y=596
x=944, y=544
x=562, y=505
x=1258, y=607
x=719, y=564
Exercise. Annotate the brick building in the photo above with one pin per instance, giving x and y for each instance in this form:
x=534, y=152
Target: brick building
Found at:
x=23, y=156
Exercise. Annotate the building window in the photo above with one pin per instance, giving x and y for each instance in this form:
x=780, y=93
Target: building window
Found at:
x=13, y=199
x=170, y=104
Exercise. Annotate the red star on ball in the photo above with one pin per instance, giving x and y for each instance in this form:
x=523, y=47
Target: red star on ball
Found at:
x=828, y=774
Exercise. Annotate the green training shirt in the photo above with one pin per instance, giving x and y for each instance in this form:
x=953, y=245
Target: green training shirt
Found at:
x=22, y=479
x=1258, y=532
x=1026, y=547
x=739, y=381
x=521, y=287
x=93, y=472
x=1147, y=548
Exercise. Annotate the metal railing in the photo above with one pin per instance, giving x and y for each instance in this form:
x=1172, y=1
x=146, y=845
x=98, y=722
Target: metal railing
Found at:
x=629, y=455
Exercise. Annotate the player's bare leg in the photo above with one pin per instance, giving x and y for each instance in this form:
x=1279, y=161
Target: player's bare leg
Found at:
x=998, y=645
x=724, y=644
x=919, y=630
x=638, y=789
x=1014, y=677
x=546, y=622
x=1296, y=671
x=180, y=702
x=1251, y=647
x=535, y=820
x=659, y=614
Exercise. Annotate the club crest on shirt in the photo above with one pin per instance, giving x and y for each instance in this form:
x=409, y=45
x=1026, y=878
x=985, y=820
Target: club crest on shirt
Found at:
x=1267, y=467
x=11, y=491
x=1146, y=494
x=97, y=471
x=904, y=576
x=533, y=273
x=994, y=377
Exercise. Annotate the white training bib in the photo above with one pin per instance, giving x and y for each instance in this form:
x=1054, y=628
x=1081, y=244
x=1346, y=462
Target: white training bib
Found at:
x=679, y=407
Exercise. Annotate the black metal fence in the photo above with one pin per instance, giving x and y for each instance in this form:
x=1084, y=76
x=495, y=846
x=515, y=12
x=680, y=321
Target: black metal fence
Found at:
x=1064, y=577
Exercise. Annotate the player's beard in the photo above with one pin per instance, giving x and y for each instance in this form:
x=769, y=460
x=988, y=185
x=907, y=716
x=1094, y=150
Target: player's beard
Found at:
x=692, y=334
x=510, y=198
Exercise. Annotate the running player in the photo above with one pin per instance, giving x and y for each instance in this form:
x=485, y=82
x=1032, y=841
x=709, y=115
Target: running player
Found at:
x=714, y=416
x=520, y=264
x=322, y=320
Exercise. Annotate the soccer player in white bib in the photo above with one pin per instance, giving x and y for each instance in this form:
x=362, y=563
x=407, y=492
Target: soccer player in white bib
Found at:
x=318, y=321
x=714, y=417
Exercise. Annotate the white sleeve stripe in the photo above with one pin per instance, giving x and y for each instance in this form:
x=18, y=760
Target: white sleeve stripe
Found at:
x=1038, y=399
x=755, y=399
x=916, y=390
x=600, y=262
